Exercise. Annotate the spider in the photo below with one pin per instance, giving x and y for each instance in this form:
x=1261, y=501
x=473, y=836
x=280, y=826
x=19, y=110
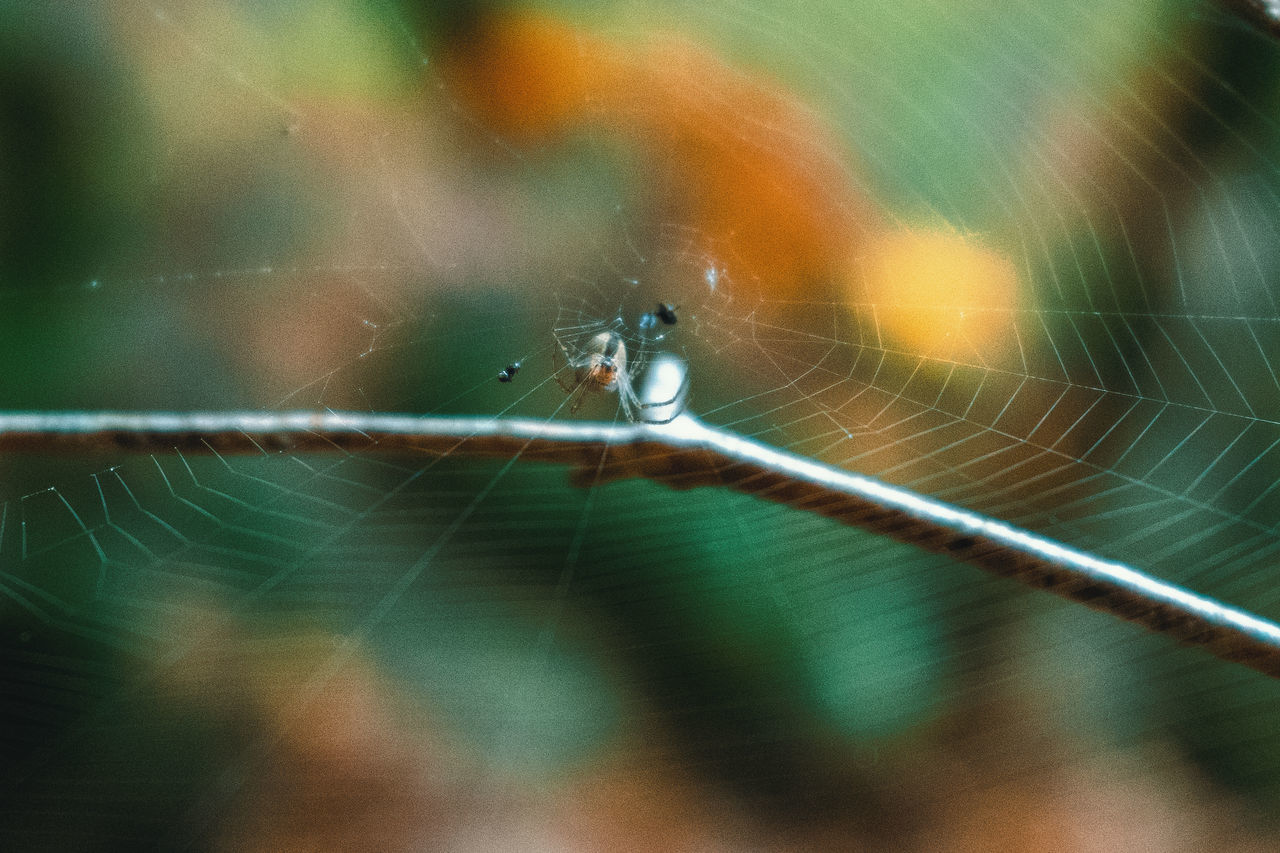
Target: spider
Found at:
x=600, y=365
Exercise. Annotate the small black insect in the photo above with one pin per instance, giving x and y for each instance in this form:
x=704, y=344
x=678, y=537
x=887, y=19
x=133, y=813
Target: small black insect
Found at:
x=666, y=313
x=509, y=372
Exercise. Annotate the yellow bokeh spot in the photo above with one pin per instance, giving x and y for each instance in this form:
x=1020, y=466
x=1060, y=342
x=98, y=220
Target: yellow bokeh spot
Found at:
x=939, y=294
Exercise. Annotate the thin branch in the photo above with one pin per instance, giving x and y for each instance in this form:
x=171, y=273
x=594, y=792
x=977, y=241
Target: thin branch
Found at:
x=685, y=454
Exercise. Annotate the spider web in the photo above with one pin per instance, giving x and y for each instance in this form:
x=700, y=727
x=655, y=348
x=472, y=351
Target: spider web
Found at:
x=175, y=625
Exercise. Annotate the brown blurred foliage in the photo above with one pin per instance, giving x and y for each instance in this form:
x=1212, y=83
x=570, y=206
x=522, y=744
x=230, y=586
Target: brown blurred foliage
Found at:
x=335, y=754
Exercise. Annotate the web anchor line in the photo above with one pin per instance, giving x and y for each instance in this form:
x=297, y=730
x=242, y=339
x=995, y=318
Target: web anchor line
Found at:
x=683, y=454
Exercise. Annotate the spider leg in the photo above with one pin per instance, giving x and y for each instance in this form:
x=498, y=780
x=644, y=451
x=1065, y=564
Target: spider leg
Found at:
x=627, y=397
x=560, y=362
x=675, y=398
x=638, y=359
x=664, y=421
x=635, y=408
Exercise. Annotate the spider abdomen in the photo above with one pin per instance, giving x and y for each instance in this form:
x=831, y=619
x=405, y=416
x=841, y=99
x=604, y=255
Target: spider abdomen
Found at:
x=599, y=364
x=606, y=359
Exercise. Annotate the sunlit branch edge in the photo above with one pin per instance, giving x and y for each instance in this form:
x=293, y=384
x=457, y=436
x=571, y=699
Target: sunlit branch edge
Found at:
x=685, y=453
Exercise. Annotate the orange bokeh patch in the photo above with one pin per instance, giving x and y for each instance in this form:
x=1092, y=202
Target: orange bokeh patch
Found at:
x=755, y=177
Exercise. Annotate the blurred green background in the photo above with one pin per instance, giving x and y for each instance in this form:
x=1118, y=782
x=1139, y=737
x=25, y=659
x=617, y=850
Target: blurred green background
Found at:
x=287, y=205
